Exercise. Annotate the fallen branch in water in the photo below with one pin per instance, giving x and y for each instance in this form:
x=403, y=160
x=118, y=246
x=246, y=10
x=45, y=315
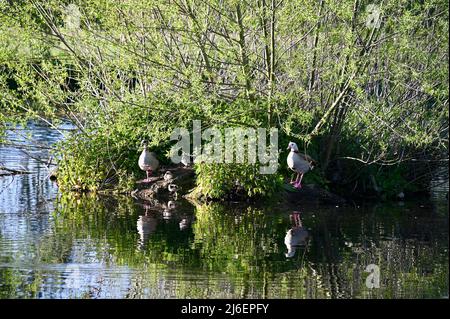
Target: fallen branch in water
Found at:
x=11, y=171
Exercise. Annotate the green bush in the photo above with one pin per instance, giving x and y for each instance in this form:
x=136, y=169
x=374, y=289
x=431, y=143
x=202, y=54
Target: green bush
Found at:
x=218, y=180
x=107, y=155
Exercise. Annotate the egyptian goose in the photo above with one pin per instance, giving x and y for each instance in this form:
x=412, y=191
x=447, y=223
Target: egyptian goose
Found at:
x=148, y=161
x=299, y=163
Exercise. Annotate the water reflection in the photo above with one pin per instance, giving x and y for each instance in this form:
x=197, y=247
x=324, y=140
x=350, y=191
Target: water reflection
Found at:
x=55, y=246
x=296, y=236
x=215, y=256
x=146, y=225
x=184, y=223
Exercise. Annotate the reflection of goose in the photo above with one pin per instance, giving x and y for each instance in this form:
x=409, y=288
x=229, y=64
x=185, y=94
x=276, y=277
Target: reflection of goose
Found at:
x=296, y=236
x=171, y=204
x=146, y=225
x=299, y=163
x=148, y=161
x=167, y=211
x=184, y=223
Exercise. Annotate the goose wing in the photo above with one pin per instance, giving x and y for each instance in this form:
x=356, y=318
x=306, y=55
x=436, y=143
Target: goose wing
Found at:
x=148, y=161
x=297, y=163
x=143, y=161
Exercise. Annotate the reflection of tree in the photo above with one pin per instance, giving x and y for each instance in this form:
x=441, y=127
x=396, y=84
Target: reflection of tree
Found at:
x=247, y=244
x=233, y=252
x=13, y=286
x=409, y=254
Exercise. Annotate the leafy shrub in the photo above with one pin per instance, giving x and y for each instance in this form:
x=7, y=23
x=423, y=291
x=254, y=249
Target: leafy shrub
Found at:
x=107, y=154
x=217, y=180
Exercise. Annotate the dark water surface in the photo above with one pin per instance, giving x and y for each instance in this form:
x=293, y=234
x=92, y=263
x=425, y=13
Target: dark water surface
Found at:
x=54, y=246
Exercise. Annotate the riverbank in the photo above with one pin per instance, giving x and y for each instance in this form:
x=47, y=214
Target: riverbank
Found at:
x=184, y=180
x=156, y=189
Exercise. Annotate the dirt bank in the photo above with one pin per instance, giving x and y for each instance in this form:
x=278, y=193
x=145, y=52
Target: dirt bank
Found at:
x=184, y=180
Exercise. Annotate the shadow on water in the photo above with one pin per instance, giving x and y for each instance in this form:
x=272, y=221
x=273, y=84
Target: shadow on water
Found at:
x=55, y=246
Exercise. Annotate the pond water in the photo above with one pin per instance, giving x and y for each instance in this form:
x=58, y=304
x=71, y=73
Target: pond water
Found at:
x=54, y=246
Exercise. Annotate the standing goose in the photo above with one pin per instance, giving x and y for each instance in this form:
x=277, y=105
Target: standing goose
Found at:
x=148, y=161
x=299, y=163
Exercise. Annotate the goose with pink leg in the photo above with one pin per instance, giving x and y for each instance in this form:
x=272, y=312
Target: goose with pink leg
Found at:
x=147, y=161
x=299, y=163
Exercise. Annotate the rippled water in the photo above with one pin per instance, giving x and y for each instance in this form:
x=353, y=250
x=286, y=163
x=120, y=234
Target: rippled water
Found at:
x=54, y=246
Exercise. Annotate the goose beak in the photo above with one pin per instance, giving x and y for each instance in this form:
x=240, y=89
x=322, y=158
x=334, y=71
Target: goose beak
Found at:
x=288, y=148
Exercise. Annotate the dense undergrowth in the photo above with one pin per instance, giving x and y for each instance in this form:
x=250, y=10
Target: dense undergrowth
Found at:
x=360, y=87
